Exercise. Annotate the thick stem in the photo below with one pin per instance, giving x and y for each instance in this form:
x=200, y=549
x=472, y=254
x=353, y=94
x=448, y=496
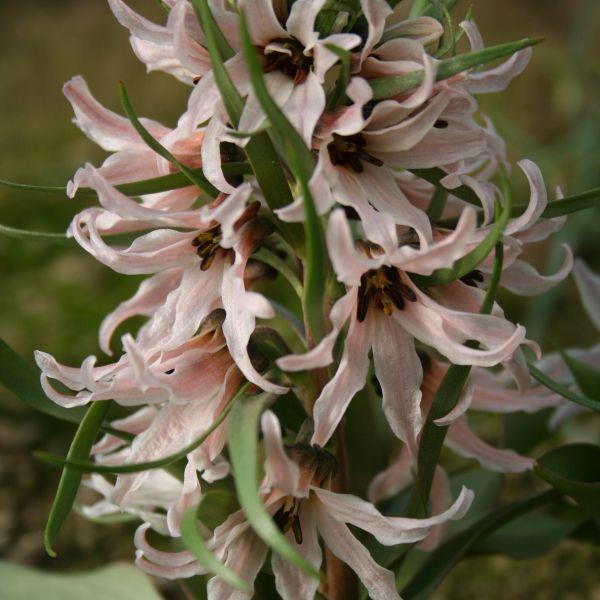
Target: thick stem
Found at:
x=341, y=580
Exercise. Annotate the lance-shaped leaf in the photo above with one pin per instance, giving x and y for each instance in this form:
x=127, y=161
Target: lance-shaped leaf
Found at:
x=445, y=557
x=260, y=151
x=86, y=466
x=23, y=380
x=563, y=391
x=586, y=377
x=37, y=236
x=445, y=399
x=70, y=479
x=388, y=87
x=195, y=544
x=193, y=176
x=163, y=183
x=243, y=452
x=574, y=470
x=338, y=93
x=302, y=165
x=571, y=204
x=470, y=261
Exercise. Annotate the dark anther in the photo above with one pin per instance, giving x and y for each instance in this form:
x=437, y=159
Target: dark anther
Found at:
x=473, y=278
x=295, y=64
x=170, y=372
x=297, y=530
x=350, y=151
x=196, y=80
x=367, y=109
x=440, y=124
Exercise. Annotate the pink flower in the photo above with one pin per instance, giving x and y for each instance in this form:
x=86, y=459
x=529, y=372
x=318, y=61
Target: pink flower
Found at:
x=186, y=389
x=131, y=158
x=198, y=267
x=387, y=311
x=296, y=493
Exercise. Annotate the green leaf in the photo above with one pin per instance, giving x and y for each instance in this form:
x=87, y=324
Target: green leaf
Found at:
x=260, y=152
x=574, y=470
x=70, y=479
x=437, y=204
x=243, y=452
x=445, y=399
x=214, y=43
x=528, y=536
x=164, y=183
x=119, y=581
x=214, y=37
x=37, y=236
x=302, y=164
x=561, y=390
x=271, y=259
x=445, y=557
x=195, y=544
x=86, y=466
x=290, y=139
x=194, y=177
x=23, y=380
x=586, y=377
x=470, y=261
x=571, y=204
x=338, y=93
x=387, y=87
x=216, y=505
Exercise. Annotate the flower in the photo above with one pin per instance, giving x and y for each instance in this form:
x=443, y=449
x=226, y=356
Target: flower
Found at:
x=296, y=493
x=198, y=267
x=387, y=311
x=131, y=158
x=183, y=392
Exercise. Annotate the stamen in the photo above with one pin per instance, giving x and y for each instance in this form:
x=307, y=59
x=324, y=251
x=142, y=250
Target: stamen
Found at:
x=295, y=64
x=350, y=151
x=473, y=278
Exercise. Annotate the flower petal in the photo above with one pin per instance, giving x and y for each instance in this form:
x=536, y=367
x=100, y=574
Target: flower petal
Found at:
x=588, y=284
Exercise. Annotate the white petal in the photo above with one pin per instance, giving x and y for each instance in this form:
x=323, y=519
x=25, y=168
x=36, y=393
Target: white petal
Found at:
x=379, y=582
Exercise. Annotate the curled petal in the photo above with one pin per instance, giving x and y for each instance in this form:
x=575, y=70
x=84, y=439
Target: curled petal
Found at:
x=588, y=284
x=322, y=354
x=281, y=472
x=388, y=531
x=464, y=442
x=379, y=582
x=521, y=278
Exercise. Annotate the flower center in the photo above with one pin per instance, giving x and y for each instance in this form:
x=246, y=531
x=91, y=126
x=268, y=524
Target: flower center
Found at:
x=350, y=151
x=289, y=58
x=384, y=289
x=207, y=246
x=317, y=467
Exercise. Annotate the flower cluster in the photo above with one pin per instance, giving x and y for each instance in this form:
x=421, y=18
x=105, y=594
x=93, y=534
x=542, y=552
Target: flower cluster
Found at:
x=211, y=254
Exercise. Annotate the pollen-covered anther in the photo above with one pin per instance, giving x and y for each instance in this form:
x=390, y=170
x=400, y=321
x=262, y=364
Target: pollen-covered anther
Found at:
x=350, y=151
x=288, y=56
x=383, y=288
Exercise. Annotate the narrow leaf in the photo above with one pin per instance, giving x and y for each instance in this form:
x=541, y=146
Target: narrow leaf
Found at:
x=445, y=399
x=194, y=177
x=563, y=391
x=338, y=93
x=571, y=204
x=214, y=43
x=195, y=544
x=70, y=478
x=470, y=261
x=164, y=183
x=86, y=466
x=302, y=165
x=586, y=377
x=243, y=452
x=445, y=557
x=37, y=236
x=387, y=87
x=574, y=470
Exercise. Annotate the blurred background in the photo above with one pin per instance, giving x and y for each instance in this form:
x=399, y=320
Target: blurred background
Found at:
x=54, y=298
